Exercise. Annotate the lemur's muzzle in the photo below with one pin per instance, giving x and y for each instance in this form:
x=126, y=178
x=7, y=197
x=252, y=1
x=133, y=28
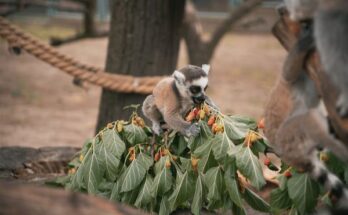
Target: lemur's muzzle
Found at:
x=198, y=99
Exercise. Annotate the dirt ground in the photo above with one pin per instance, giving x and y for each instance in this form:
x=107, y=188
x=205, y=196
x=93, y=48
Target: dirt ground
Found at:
x=39, y=105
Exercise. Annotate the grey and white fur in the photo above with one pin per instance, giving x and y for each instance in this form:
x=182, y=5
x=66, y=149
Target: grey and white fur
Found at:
x=330, y=32
x=306, y=128
x=174, y=96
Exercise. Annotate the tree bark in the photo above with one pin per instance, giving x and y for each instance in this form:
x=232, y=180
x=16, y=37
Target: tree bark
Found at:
x=144, y=40
x=89, y=15
x=200, y=50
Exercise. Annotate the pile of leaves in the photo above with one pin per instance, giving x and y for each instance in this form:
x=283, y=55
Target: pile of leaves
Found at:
x=125, y=162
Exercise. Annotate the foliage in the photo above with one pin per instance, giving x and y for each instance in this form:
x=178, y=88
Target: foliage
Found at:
x=124, y=162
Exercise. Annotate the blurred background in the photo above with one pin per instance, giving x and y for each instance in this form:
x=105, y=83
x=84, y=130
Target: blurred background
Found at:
x=40, y=106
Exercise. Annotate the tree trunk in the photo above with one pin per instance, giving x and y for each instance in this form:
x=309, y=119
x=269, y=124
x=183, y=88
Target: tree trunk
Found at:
x=144, y=40
x=89, y=15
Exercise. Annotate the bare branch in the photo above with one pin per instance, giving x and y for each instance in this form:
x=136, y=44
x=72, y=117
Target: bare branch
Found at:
x=234, y=16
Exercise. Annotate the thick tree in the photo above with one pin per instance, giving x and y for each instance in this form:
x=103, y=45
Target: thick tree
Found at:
x=143, y=41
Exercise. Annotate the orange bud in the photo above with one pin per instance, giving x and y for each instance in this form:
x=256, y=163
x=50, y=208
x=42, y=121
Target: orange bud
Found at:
x=206, y=109
x=324, y=156
x=157, y=156
x=132, y=157
x=109, y=126
x=267, y=161
x=195, y=111
x=287, y=174
x=261, y=123
x=201, y=114
x=119, y=127
x=194, y=163
x=168, y=164
x=211, y=120
x=190, y=116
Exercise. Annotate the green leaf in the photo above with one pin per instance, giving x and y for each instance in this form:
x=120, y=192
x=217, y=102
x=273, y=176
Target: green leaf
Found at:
x=134, y=134
x=203, y=137
x=116, y=191
x=144, y=198
x=237, y=127
x=110, y=151
x=280, y=199
x=346, y=174
x=214, y=181
x=206, y=157
x=133, y=175
x=249, y=165
x=91, y=171
x=255, y=201
x=304, y=192
x=198, y=198
x=238, y=210
x=164, y=206
x=162, y=183
x=282, y=181
x=221, y=145
x=178, y=144
x=183, y=190
x=145, y=160
x=232, y=186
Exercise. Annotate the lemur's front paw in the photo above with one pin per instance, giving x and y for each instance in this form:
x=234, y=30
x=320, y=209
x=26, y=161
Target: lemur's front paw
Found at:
x=156, y=128
x=193, y=131
x=342, y=106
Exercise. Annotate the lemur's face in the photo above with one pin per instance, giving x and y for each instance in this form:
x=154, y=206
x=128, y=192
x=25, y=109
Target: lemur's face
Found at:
x=197, y=89
x=192, y=81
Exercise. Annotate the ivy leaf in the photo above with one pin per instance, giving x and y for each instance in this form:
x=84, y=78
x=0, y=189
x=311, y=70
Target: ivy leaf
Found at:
x=134, y=134
x=198, y=198
x=304, y=192
x=144, y=198
x=110, y=151
x=232, y=186
x=249, y=165
x=162, y=183
x=280, y=199
x=134, y=175
x=221, y=145
x=183, y=190
x=214, y=181
x=255, y=201
x=237, y=127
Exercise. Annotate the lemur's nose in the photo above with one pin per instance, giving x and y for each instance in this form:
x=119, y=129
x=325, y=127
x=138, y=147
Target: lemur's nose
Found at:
x=199, y=99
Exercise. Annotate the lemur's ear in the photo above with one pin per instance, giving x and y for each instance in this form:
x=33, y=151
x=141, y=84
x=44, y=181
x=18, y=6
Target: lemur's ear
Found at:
x=206, y=68
x=179, y=77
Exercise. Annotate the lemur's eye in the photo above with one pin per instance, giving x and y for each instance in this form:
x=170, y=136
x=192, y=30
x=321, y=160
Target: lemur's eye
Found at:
x=195, y=89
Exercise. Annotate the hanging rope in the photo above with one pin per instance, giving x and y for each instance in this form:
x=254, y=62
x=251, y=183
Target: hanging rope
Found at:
x=94, y=75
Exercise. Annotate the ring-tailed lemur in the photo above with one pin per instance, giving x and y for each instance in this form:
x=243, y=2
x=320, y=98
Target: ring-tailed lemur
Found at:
x=306, y=128
x=331, y=33
x=174, y=96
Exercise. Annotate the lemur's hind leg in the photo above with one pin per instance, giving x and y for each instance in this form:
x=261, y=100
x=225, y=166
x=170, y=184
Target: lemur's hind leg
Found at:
x=151, y=112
